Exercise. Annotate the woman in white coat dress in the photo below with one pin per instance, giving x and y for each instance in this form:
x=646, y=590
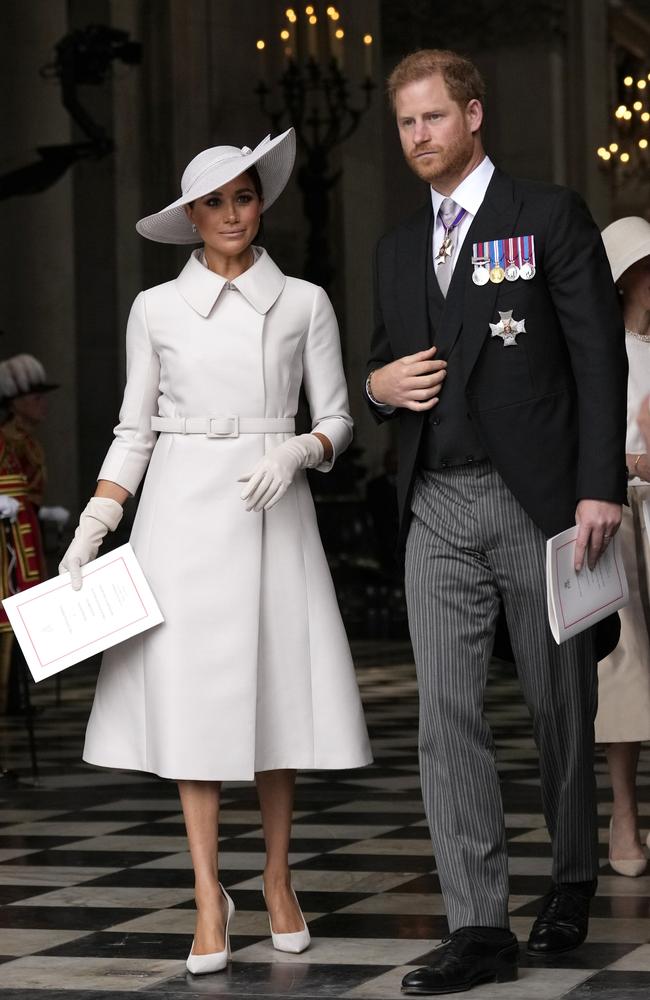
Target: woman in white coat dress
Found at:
x=623, y=718
x=250, y=674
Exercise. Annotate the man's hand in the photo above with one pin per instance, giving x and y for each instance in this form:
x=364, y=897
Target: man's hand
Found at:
x=598, y=521
x=412, y=382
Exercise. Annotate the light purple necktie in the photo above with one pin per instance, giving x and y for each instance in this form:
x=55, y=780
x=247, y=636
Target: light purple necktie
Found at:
x=447, y=212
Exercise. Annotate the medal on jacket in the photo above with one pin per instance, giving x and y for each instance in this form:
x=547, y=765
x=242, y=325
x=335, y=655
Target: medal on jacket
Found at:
x=512, y=270
x=497, y=255
x=527, y=257
x=508, y=328
x=447, y=245
x=481, y=263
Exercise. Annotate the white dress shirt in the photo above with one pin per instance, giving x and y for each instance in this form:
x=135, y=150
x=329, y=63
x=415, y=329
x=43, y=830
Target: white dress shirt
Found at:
x=468, y=195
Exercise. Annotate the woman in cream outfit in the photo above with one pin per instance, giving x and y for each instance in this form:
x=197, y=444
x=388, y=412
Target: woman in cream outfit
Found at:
x=250, y=674
x=623, y=719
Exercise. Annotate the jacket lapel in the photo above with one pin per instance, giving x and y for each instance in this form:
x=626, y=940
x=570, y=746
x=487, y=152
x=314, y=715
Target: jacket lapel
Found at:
x=413, y=246
x=471, y=307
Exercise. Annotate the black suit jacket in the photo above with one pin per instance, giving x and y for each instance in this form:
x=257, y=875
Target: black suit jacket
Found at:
x=551, y=411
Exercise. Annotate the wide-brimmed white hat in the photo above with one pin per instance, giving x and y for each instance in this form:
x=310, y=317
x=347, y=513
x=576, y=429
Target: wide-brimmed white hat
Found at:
x=626, y=241
x=213, y=168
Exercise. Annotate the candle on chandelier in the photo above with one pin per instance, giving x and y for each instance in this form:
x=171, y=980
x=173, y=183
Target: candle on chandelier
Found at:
x=312, y=32
x=260, y=45
x=367, y=51
x=339, y=50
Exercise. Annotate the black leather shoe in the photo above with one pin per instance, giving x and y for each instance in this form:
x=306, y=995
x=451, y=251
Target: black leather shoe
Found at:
x=563, y=920
x=466, y=958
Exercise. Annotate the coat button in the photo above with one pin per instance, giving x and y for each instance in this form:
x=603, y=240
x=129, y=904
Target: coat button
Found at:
x=435, y=421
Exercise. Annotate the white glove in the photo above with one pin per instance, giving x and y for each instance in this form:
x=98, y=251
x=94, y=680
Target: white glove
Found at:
x=273, y=474
x=100, y=516
x=59, y=515
x=9, y=507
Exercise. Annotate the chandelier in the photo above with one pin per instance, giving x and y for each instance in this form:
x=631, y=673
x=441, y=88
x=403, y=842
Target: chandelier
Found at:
x=317, y=77
x=626, y=155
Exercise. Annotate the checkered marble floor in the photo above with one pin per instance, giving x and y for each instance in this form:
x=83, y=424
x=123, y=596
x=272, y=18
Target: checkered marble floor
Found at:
x=96, y=882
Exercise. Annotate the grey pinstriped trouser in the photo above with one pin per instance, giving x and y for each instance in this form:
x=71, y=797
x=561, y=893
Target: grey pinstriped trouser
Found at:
x=469, y=542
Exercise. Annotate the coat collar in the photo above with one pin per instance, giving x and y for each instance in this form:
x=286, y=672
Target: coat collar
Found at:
x=260, y=285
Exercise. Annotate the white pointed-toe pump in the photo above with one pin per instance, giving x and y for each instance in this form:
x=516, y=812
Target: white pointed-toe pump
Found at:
x=294, y=942
x=202, y=965
x=626, y=866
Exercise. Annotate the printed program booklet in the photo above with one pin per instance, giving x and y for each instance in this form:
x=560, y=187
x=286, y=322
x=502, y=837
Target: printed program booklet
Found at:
x=577, y=601
x=57, y=626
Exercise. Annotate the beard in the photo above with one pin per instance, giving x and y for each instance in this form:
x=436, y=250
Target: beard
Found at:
x=447, y=162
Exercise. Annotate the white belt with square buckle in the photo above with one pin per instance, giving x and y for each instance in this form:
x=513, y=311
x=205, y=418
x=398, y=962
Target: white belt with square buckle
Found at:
x=223, y=427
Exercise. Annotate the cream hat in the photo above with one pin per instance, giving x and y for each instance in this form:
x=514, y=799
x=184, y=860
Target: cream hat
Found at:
x=626, y=241
x=214, y=167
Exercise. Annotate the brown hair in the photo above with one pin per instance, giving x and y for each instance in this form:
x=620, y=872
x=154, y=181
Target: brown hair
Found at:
x=462, y=78
x=255, y=179
x=253, y=173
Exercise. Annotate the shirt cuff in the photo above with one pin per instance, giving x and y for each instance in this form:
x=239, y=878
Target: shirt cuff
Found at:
x=384, y=408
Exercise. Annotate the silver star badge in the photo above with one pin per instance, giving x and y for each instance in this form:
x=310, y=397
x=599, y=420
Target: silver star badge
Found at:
x=445, y=251
x=507, y=328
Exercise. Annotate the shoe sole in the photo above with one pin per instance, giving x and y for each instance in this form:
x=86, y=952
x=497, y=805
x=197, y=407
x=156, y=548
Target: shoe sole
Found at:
x=498, y=977
x=535, y=953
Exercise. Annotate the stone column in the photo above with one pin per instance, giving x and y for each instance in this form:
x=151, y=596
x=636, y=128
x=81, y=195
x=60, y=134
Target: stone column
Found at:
x=95, y=313
x=587, y=102
x=37, y=252
x=362, y=222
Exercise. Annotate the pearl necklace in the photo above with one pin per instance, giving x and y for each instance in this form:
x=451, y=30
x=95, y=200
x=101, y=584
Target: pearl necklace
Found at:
x=645, y=337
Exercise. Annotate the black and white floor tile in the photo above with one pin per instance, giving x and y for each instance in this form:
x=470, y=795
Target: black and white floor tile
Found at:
x=96, y=882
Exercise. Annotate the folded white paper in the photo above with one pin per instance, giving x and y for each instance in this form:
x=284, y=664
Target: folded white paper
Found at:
x=577, y=601
x=57, y=626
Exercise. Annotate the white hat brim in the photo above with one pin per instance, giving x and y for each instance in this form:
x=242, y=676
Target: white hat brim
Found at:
x=273, y=158
x=626, y=241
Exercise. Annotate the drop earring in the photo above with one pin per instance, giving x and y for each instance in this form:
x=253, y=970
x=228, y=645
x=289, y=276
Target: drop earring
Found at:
x=193, y=228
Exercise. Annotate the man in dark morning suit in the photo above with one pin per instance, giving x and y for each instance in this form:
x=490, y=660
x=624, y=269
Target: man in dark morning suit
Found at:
x=509, y=386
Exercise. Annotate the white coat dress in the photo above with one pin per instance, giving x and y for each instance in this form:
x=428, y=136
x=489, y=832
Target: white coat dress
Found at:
x=624, y=676
x=251, y=669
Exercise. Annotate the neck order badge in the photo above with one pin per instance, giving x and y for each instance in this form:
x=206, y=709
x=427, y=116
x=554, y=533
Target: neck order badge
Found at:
x=447, y=245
